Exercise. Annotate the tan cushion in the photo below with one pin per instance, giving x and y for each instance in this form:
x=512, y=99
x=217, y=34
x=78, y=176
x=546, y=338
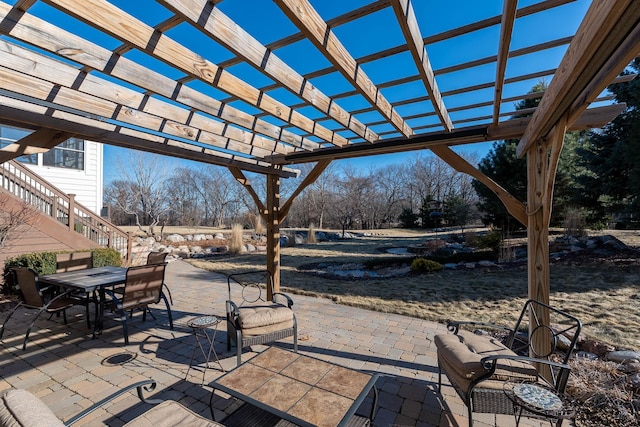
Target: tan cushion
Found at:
x=171, y=413
x=254, y=316
x=264, y=330
x=21, y=408
x=460, y=356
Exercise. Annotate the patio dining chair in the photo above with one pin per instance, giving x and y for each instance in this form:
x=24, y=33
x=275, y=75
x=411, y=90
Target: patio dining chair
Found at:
x=74, y=261
x=32, y=297
x=252, y=320
x=158, y=258
x=143, y=286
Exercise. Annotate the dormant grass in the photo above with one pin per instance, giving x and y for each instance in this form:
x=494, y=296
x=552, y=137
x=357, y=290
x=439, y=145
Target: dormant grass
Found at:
x=603, y=295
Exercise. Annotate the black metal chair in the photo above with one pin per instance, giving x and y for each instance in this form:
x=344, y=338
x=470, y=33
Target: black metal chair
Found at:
x=252, y=320
x=143, y=286
x=32, y=297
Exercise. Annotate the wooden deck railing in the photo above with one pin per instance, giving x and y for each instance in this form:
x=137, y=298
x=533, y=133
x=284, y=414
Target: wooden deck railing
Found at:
x=29, y=187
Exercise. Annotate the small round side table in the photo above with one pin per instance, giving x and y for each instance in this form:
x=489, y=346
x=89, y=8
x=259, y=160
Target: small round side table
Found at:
x=537, y=399
x=204, y=327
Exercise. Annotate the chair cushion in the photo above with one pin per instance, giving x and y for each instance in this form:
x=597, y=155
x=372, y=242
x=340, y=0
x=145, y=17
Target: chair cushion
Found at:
x=256, y=316
x=460, y=356
x=21, y=408
x=170, y=413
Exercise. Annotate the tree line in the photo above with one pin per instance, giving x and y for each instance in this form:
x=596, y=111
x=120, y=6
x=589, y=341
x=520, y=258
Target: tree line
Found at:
x=598, y=181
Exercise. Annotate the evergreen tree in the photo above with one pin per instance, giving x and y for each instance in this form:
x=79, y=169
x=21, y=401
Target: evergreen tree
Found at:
x=612, y=156
x=504, y=167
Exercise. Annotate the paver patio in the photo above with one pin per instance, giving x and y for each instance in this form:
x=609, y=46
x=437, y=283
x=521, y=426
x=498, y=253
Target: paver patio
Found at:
x=70, y=371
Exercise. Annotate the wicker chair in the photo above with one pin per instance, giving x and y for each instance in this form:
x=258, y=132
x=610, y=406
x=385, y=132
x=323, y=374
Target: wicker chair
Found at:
x=478, y=364
x=252, y=320
x=143, y=286
x=32, y=297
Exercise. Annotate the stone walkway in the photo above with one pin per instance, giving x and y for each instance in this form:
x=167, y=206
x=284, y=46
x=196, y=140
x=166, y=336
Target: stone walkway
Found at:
x=70, y=371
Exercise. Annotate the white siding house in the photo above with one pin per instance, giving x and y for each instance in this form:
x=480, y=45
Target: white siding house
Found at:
x=74, y=167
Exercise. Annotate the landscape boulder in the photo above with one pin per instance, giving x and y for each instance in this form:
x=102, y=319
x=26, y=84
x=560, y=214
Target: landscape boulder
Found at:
x=175, y=238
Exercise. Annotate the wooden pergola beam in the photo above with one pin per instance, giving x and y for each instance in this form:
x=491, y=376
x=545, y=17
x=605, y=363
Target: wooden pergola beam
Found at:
x=318, y=32
x=509, y=10
x=409, y=25
x=308, y=180
x=508, y=129
x=32, y=114
x=209, y=19
x=108, y=18
x=516, y=208
x=40, y=141
x=606, y=25
x=101, y=98
x=44, y=35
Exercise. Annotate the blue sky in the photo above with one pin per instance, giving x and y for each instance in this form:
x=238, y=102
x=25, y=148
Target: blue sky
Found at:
x=361, y=37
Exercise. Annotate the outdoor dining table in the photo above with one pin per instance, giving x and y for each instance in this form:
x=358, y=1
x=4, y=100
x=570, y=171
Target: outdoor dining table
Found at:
x=89, y=281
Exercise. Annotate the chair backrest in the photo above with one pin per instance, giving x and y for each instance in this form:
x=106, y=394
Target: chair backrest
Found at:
x=143, y=285
x=558, y=329
x=249, y=287
x=532, y=324
x=27, y=281
x=156, y=257
x=73, y=261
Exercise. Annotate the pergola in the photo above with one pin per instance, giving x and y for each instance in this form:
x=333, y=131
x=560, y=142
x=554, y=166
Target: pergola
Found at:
x=185, y=79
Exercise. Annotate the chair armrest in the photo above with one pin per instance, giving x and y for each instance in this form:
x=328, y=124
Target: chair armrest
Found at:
x=287, y=297
x=147, y=385
x=454, y=326
x=232, y=310
x=490, y=363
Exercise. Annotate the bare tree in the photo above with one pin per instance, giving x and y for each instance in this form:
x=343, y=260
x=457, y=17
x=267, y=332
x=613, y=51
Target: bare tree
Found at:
x=144, y=196
x=15, y=218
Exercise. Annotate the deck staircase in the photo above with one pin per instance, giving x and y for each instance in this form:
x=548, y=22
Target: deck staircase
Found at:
x=27, y=186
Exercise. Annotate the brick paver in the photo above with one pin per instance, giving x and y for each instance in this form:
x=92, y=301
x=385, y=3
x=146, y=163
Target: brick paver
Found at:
x=70, y=371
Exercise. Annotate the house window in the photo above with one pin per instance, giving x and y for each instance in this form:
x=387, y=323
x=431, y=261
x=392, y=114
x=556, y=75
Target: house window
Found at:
x=9, y=135
x=69, y=154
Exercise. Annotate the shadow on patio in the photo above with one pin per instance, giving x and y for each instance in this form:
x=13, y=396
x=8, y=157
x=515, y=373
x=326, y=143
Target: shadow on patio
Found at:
x=69, y=371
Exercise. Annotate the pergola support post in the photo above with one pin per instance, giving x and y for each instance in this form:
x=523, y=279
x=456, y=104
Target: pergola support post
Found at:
x=273, y=232
x=542, y=162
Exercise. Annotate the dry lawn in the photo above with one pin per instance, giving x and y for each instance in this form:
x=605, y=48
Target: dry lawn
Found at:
x=604, y=295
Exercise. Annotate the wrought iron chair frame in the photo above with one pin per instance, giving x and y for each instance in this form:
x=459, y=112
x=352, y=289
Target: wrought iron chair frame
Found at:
x=234, y=331
x=489, y=400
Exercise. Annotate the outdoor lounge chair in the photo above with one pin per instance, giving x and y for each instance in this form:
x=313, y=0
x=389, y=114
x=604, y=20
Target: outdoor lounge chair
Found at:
x=143, y=286
x=22, y=408
x=478, y=365
x=32, y=297
x=251, y=319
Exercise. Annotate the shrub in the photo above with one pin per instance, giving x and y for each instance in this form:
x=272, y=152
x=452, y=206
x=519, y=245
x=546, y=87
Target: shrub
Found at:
x=492, y=240
x=455, y=258
x=311, y=234
x=260, y=227
x=423, y=265
x=45, y=263
x=106, y=256
x=574, y=222
x=235, y=243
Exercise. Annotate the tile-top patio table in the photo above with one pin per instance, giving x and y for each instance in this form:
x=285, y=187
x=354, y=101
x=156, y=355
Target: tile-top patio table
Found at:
x=88, y=281
x=300, y=389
